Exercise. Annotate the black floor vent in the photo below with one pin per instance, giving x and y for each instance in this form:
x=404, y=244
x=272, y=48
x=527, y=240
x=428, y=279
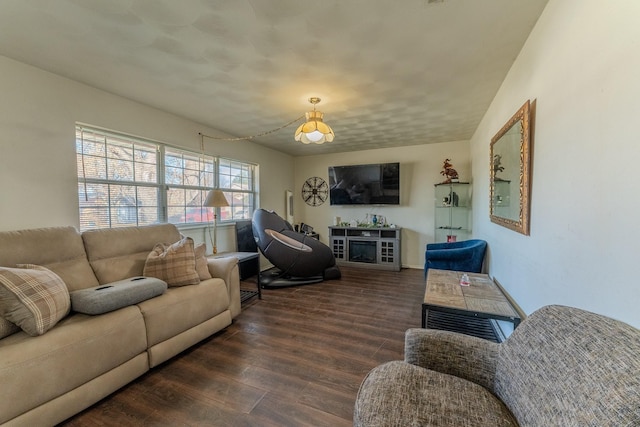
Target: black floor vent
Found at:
x=477, y=327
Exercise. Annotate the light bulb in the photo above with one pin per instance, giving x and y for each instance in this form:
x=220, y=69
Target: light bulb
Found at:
x=314, y=136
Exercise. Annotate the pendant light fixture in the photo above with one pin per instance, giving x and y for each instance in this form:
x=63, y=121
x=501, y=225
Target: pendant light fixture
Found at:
x=314, y=129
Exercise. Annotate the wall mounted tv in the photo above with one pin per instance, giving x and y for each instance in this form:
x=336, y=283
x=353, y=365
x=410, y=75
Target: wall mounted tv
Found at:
x=375, y=184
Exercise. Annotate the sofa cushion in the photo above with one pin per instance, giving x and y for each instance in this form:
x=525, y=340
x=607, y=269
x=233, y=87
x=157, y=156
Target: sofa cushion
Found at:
x=33, y=298
x=201, y=262
x=7, y=328
x=182, y=308
x=60, y=249
x=175, y=264
x=115, y=295
x=119, y=253
x=35, y=370
x=400, y=394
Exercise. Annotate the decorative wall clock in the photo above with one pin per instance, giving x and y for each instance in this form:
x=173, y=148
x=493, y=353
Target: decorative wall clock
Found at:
x=315, y=191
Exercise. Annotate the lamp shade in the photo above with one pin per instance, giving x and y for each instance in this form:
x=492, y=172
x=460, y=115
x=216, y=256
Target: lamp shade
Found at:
x=216, y=199
x=314, y=129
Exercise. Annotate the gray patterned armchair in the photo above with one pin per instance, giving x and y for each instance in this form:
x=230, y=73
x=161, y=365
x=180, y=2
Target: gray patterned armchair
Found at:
x=562, y=367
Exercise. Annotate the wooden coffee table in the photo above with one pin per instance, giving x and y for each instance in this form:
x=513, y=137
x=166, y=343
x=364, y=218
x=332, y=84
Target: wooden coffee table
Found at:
x=483, y=299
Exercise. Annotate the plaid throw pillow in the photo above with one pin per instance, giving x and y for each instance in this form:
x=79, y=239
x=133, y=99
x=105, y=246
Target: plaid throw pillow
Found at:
x=33, y=297
x=201, y=262
x=175, y=264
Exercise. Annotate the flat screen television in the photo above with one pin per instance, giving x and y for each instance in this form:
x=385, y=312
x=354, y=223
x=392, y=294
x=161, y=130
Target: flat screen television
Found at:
x=374, y=184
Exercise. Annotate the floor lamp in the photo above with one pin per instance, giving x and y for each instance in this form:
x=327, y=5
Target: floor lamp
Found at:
x=215, y=199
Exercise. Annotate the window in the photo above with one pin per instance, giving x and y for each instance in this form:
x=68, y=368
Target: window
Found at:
x=237, y=181
x=117, y=181
x=125, y=181
x=188, y=177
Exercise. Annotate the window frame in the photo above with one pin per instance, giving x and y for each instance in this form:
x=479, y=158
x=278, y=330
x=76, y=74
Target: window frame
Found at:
x=233, y=195
x=198, y=210
x=162, y=184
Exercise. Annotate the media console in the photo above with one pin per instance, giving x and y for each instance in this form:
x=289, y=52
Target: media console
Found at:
x=366, y=247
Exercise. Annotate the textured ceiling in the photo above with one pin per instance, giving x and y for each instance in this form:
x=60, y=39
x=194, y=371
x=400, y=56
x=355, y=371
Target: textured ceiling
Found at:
x=389, y=72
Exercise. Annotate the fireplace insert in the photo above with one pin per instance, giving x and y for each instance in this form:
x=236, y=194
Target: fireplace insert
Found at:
x=363, y=251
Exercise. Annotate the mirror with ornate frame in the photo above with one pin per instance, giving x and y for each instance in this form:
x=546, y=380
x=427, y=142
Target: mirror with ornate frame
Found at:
x=509, y=173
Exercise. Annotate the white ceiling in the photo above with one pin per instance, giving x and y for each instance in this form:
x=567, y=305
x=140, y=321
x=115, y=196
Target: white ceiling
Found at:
x=389, y=72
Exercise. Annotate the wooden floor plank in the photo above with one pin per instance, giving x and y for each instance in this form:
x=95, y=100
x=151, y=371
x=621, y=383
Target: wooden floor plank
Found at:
x=294, y=358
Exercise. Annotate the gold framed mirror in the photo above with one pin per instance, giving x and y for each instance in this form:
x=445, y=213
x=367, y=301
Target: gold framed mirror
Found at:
x=509, y=173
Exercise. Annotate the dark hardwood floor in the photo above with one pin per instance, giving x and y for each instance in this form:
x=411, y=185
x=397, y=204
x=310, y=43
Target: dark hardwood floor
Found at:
x=294, y=358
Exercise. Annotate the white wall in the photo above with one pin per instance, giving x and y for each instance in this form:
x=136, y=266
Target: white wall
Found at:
x=420, y=167
x=38, y=112
x=581, y=65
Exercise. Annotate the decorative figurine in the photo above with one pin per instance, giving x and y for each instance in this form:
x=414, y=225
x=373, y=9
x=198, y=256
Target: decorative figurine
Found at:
x=449, y=172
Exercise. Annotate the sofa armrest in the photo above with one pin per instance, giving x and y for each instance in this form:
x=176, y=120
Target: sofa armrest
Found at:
x=227, y=270
x=463, y=356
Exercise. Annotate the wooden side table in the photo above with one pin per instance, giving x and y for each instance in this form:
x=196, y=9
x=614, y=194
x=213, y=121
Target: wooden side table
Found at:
x=249, y=266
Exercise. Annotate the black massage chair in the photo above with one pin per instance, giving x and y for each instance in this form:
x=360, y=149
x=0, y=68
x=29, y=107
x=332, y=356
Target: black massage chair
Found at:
x=298, y=258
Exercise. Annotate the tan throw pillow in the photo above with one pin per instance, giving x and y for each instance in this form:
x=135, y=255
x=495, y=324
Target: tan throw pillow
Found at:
x=33, y=297
x=201, y=262
x=175, y=264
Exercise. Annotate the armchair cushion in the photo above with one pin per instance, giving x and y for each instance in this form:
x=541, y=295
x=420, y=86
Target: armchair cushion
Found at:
x=409, y=398
x=464, y=356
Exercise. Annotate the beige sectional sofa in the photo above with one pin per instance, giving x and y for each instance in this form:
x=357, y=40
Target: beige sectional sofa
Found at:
x=83, y=358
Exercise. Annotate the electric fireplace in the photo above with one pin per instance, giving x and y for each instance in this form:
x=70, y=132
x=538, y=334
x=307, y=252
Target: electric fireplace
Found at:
x=369, y=247
x=363, y=251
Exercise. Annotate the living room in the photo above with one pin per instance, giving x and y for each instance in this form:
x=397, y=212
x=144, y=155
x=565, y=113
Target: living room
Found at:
x=580, y=66
x=582, y=174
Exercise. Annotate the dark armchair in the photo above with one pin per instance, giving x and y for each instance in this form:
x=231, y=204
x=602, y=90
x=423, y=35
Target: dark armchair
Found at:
x=467, y=255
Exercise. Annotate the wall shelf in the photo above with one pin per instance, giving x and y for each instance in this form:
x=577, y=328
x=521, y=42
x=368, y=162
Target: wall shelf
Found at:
x=452, y=212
